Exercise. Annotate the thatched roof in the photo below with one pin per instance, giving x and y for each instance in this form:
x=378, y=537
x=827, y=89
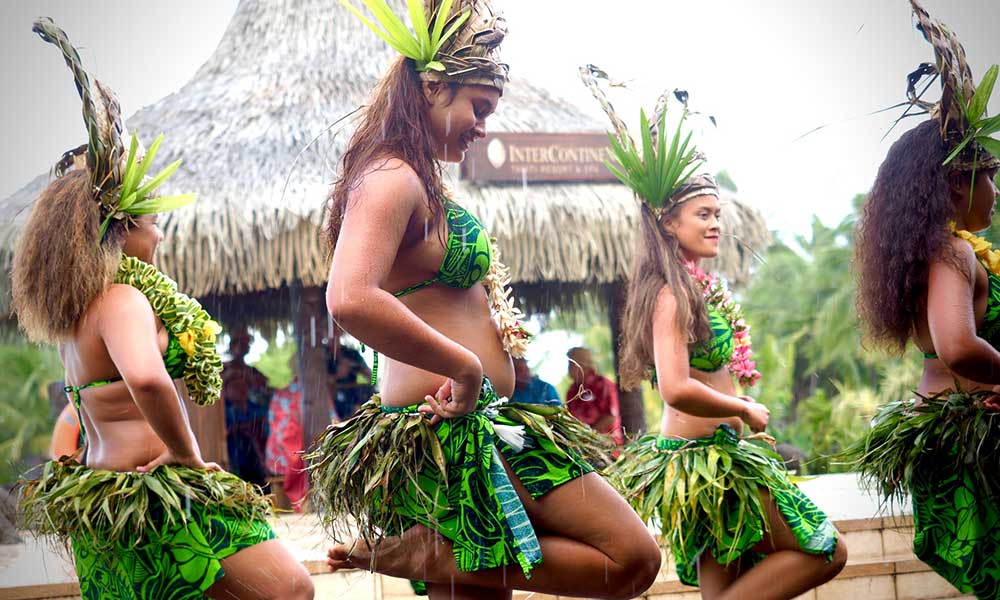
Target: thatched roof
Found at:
x=283, y=72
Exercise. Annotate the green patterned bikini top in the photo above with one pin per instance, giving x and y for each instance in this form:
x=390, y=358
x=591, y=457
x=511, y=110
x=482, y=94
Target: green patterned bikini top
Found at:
x=989, y=330
x=174, y=359
x=713, y=354
x=467, y=256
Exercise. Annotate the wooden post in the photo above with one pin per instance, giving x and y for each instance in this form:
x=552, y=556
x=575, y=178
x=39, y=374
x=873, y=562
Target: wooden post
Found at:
x=630, y=405
x=310, y=319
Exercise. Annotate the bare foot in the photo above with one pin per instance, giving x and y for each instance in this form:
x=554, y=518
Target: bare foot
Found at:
x=409, y=556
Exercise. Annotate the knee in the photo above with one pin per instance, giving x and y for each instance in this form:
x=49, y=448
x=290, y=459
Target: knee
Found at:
x=839, y=558
x=639, y=568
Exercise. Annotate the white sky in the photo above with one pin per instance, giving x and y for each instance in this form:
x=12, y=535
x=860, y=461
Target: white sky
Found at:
x=769, y=70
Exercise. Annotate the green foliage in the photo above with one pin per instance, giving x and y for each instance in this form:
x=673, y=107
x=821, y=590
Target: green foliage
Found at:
x=26, y=418
x=276, y=363
x=658, y=170
x=821, y=384
x=423, y=43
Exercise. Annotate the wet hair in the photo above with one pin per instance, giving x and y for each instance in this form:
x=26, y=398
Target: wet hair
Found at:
x=60, y=265
x=394, y=125
x=903, y=227
x=657, y=261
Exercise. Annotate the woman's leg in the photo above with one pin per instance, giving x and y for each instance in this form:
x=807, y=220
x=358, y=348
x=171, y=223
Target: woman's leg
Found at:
x=787, y=571
x=713, y=578
x=265, y=571
x=593, y=544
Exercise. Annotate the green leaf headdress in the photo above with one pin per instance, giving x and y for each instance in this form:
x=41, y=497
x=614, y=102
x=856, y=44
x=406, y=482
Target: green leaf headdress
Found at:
x=660, y=172
x=118, y=178
x=451, y=40
x=961, y=111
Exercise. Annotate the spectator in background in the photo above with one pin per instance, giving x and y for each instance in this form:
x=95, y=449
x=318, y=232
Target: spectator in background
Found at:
x=529, y=389
x=593, y=398
x=350, y=372
x=285, y=440
x=246, y=396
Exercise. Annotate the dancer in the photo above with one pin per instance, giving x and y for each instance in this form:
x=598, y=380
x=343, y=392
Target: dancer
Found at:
x=737, y=527
x=146, y=517
x=481, y=496
x=924, y=278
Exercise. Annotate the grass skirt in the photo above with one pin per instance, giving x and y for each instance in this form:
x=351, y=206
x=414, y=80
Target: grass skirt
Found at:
x=705, y=496
x=138, y=536
x=945, y=453
x=388, y=469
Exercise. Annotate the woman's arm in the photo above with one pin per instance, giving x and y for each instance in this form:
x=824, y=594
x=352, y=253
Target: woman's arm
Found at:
x=951, y=319
x=379, y=212
x=128, y=328
x=674, y=382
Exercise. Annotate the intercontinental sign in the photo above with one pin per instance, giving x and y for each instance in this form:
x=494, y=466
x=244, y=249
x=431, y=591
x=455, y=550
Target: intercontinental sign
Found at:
x=527, y=157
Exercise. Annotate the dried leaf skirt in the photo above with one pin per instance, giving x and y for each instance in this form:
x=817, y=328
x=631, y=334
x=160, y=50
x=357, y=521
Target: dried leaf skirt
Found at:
x=145, y=536
x=705, y=496
x=945, y=453
x=387, y=469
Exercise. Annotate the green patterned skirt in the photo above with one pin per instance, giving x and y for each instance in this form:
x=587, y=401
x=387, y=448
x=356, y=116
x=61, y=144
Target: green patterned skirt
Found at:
x=705, y=495
x=945, y=453
x=387, y=469
x=145, y=536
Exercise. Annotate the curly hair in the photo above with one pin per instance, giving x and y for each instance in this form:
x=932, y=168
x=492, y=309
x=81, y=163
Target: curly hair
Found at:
x=60, y=265
x=394, y=125
x=657, y=261
x=903, y=227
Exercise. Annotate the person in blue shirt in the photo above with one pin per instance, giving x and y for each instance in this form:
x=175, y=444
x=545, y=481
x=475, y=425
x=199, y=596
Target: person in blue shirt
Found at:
x=530, y=389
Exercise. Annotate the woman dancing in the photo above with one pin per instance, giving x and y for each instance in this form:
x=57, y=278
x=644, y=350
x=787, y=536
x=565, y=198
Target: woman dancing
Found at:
x=146, y=517
x=737, y=527
x=466, y=483
x=924, y=278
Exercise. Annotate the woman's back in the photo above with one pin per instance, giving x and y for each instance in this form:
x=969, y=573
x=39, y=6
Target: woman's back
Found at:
x=118, y=436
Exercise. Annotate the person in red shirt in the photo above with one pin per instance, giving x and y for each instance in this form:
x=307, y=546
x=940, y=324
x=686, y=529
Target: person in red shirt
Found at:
x=593, y=398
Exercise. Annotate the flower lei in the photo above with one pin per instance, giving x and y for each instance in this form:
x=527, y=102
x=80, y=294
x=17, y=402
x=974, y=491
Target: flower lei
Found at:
x=741, y=363
x=513, y=335
x=186, y=320
x=983, y=248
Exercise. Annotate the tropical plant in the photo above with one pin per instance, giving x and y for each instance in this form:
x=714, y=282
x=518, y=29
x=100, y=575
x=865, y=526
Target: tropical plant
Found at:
x=26, y=415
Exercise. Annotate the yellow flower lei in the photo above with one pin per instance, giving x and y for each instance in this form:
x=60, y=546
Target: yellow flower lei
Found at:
x=984, y=250
x=187, y=321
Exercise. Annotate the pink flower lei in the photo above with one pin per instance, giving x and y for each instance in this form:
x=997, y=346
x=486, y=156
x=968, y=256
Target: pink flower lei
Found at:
x=741, y=363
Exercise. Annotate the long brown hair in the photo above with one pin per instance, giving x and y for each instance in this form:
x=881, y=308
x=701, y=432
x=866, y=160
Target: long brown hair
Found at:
x=394, y=125
x=657, y=261
x=903, y=227
x=60, y=265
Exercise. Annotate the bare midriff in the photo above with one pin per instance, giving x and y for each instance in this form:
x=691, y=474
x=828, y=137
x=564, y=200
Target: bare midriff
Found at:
x=463, y=316
x=677, y=424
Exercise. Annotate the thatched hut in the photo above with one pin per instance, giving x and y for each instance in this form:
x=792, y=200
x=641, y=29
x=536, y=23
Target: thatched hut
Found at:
x=253, y=128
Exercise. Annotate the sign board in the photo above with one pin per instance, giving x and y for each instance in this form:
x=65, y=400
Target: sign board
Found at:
x=531, y=157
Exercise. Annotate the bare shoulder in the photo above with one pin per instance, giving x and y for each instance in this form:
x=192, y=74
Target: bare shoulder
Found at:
x=666, y=302
x=966, y=264
x=388, y=183
x=121, y=301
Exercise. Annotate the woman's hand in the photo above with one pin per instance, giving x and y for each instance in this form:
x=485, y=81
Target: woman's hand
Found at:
x=455, y=397
x=993, y=402
x=167, y=458
x=755, y=415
